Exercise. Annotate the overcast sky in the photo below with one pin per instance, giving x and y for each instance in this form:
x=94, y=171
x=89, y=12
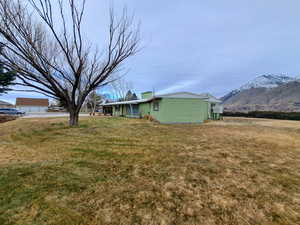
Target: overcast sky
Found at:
x=205, y=45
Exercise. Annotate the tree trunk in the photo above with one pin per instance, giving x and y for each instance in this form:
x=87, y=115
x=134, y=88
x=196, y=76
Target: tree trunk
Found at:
x=74, y=117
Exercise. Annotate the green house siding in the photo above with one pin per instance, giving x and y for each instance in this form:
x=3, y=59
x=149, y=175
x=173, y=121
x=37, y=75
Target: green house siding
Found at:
x=178, y=110
x=147, y=95
x=171, y=110
x=144, y=109
x=158, y=115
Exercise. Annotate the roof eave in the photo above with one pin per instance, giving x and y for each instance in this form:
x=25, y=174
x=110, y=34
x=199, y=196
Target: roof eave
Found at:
x=135, y=102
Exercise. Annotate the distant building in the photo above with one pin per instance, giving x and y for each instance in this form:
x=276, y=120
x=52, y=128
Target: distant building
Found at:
x=32, y=105
x=180, y=107
x=4, y=104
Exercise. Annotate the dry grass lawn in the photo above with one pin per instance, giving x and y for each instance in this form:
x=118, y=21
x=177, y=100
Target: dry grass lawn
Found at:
x=126, y=171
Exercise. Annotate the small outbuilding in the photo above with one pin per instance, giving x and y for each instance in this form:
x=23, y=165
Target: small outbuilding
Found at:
x=4, y=104
x=32, y=105
x=180, y=107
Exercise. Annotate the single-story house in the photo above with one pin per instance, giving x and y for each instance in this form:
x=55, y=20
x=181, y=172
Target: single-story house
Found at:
x=4, y=105
x=32, y=105
x=180, y=107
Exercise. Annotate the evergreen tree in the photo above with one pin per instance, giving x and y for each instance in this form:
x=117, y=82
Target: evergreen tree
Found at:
x=6, y=78
x=130, y=96
x=134, y=97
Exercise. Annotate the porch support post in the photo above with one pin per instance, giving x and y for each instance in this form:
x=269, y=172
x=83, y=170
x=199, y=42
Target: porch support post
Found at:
x=131, y=111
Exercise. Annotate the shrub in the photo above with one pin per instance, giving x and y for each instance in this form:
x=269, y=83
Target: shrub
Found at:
x=150, y=118
x=266, y=114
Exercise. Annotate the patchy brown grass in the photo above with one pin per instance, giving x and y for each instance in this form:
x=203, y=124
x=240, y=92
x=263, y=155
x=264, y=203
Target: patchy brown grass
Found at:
x=126, y=171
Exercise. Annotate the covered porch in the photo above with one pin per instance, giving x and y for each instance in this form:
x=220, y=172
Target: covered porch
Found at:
x=128, y=109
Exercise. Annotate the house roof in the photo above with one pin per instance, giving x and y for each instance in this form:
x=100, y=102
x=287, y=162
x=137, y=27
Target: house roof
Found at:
x=205, y=97
x=182, y=95
x=210, y=98
x=133, y=102
x=5, y=103
x=32, y=102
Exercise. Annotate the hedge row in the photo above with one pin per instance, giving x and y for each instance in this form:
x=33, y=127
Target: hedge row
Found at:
x=266, y=114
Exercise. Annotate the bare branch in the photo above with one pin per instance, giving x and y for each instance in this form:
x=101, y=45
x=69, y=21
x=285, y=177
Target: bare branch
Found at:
x=50, y=53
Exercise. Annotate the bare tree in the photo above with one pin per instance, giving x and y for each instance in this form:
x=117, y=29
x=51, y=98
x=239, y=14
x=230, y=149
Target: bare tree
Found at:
x=93, y=101
x=120, y=87
x=51, y=55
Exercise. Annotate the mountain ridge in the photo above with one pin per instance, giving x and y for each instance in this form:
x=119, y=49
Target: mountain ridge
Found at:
x=268, y=81
x=265, y=93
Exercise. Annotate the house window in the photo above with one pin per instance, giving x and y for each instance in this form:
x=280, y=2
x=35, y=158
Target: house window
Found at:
x=156, y=106
x=117, y=108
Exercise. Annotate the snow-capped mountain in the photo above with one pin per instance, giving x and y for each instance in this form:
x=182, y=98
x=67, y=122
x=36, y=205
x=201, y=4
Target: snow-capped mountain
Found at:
x=266, y=92
x=268, y=81
x=263, y=81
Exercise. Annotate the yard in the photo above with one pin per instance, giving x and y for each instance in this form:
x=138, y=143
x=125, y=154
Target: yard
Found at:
x=127, y=171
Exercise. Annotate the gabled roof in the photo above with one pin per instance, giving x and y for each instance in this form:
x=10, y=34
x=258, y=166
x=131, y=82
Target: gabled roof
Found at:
x=32, y=102
x=210, y=98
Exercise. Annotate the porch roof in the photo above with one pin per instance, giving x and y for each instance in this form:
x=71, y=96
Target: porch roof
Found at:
x=133, y=102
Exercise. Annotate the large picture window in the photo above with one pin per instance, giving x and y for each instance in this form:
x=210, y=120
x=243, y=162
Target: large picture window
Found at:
x=156, y=106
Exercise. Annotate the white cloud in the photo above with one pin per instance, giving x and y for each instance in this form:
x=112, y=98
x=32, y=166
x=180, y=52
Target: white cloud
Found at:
x=181, y=86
